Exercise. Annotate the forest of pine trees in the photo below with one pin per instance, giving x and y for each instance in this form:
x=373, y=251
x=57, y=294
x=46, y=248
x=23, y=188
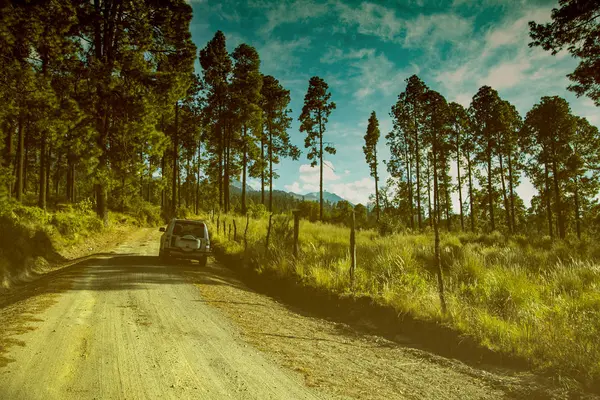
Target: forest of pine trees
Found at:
x=101, y=102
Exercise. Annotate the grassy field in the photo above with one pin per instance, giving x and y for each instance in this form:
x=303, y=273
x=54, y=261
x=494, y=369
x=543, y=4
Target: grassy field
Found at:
x=534, y=299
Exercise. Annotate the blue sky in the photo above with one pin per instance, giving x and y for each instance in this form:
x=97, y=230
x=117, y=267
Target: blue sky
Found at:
x=365, y=51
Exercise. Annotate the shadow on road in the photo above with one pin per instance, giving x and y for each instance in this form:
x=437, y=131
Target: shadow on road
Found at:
x=110, y=271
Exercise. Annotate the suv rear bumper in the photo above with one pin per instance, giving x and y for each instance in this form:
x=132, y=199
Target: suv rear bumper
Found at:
x=190, y=255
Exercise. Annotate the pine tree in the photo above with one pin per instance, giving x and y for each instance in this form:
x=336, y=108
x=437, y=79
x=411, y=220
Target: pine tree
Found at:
x=217, y=66
x=548, y=131
x=574, y=27
x=436, y=134
x=405, y=142
x=460, y=128
x=314, y=117
x=486, y=117
x=246, y=91
x=583, y=168
x=370, y=150
x=275, y=101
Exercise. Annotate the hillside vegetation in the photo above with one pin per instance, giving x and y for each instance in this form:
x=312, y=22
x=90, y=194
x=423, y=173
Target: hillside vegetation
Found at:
x=33, y=240
x=534, y=299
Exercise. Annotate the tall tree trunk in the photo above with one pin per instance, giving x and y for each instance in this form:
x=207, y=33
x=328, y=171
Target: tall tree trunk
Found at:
x=73, y=181
x=48, y=175
x=149, y=185
x=436, y=232
x=188, y=183
x=447, y=200
x=470, y=173
x=198, y=178
x=142, y=176
x=429, y=208
x=57, y=174
x=68, y=179
x=558, y=201
x=8, y=154
x=490, y=194
x=321, y=169
x=576, y=197
x=20, y=159
x=418, y=166
x=227, y=168
x=376, y=186
x=26, y=160
x=244, y=166
x=548, y=203
x=418, y=160
x=262, y=171
x=123, y=193
x=410, y=186
x=504, y=197
x=179, y=187
x=175, y=157
x=271, y=169
x=74, y=186
x=42, y=191
x=512, y=194
x=102, y=112
x=436, y=198
x=163, y=203
x=460, y=199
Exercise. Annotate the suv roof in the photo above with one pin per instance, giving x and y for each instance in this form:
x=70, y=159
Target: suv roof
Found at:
x=192, y=221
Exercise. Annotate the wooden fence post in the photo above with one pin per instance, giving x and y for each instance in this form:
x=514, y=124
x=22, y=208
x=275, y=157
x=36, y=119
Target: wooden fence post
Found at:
x=352, y=249
x=234, y=231
x=296, y=232
x=224, y=231
x=218, y=222
x=268, y=233
x=229, y=237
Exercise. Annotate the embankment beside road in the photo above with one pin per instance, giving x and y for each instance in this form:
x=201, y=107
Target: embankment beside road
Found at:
x=34, y=241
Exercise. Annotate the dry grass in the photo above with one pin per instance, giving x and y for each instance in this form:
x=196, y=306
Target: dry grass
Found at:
x=529, y=298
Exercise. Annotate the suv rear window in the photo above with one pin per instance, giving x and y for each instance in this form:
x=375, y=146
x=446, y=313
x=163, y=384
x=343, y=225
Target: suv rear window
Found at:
x=187, y=228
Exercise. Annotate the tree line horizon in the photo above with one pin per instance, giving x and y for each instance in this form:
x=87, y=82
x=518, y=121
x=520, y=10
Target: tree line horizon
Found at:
x=98, y=103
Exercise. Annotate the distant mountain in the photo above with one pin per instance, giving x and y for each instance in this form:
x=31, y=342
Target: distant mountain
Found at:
x=314, y=196
x=237, y=187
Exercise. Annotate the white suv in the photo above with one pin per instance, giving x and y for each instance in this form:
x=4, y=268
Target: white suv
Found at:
x=184, y=238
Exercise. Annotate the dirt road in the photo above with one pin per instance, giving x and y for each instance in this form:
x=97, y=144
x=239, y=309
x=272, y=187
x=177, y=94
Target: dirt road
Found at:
x=129, y=327
x=124, y=326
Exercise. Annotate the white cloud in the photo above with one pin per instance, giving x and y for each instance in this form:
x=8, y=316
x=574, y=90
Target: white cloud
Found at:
x=503, y=60
x=277, y=55
x=355, y=192
x=286, y=12
x=424, y=30
x=429, y=30
x=371, y=19
x=311, y=175
x=506, y=75
x=334, y=55
x=301, y=188
x=295, y=187
x=378, y=75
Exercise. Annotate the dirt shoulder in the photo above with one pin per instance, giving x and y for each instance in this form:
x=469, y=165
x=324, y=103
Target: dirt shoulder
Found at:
x=345, y=362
